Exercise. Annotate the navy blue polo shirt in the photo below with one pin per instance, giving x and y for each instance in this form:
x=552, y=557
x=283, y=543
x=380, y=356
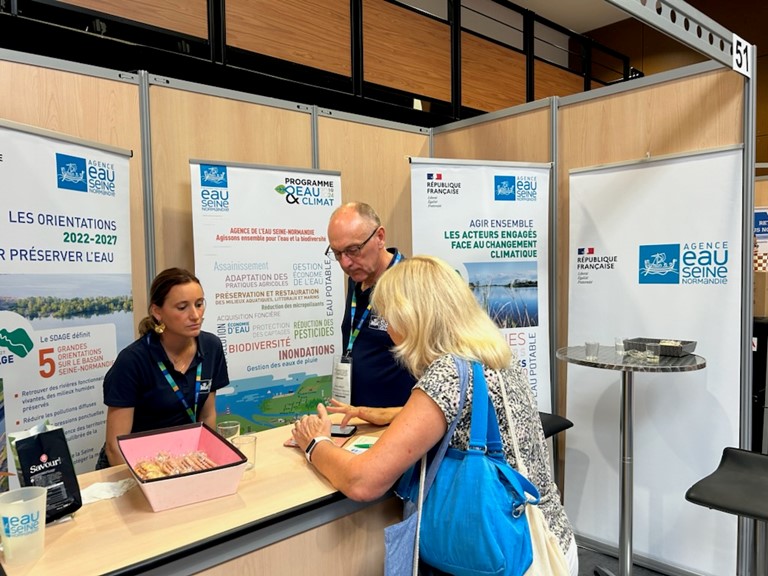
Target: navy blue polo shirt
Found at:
x=136, y=381
x=378, y=380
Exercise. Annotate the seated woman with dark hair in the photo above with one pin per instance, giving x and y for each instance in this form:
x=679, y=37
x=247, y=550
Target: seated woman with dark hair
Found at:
x=170, y=374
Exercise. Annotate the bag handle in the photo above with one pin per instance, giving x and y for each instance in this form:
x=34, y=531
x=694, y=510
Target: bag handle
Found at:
x=521, y=467
x=492, y=437
x=487, y=438
x=461, y=368
x=515, y=448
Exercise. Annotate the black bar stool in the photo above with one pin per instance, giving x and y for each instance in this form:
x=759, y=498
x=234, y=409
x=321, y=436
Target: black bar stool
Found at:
x=738, y=486
x=553, y=424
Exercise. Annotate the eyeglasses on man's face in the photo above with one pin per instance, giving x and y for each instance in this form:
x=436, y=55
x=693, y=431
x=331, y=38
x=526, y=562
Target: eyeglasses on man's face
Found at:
x=350, y=251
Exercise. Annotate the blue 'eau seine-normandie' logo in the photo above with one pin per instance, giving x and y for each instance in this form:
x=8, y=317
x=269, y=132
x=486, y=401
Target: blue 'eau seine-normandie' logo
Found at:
x=212, y=176
x=515, y=188
x=504, y=188
x=660, y=264
x=70, y=172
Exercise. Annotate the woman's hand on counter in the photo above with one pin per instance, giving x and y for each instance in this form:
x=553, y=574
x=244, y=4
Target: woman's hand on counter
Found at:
x=377, y=416
x=312, y=426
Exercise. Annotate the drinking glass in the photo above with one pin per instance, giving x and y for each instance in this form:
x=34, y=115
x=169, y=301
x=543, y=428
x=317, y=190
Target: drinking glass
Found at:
x=228, y=429
x=652, y=352
x=246, y=443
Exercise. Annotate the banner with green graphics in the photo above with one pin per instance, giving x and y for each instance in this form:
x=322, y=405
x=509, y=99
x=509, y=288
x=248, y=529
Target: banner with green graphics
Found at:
x=66, y=306
x=273, y=297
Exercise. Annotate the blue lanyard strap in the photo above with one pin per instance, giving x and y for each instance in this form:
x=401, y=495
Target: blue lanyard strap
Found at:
x=353, y=308
x=356, y=330
x=175, y=387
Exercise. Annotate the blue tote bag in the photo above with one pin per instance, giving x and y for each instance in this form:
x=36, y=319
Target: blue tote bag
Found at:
x=473, y=521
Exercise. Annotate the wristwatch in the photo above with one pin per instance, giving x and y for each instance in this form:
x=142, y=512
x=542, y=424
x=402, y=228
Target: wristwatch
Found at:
x=312, y=444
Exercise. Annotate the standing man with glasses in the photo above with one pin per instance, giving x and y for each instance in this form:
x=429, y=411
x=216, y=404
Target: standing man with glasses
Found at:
x=377, y=385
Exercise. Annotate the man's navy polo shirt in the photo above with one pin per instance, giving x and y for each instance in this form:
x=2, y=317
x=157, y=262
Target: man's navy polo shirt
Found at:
x=136, y=381
x=378, y=380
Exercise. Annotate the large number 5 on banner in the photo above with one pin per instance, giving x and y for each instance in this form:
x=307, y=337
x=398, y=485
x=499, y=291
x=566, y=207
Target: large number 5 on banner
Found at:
x=742, y=55
x=47, y=363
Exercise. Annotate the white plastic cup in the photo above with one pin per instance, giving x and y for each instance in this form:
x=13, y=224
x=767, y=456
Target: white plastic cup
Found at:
x=590, y=350
x=22, y=515
x=246, y=443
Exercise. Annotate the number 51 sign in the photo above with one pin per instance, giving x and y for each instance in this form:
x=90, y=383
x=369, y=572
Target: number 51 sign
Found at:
x=742, y=56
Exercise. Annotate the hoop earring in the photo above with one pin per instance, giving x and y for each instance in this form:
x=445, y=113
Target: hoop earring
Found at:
x=159, y=328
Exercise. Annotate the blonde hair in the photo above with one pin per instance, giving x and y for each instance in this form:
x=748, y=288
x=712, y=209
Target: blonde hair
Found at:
x=431, y=306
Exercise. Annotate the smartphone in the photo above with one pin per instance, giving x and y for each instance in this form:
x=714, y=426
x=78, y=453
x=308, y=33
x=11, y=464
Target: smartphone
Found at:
x=343, y=431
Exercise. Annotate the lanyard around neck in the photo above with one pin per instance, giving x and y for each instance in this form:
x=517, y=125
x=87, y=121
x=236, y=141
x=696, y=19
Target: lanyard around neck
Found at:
x=175, y=387
x=353, y=308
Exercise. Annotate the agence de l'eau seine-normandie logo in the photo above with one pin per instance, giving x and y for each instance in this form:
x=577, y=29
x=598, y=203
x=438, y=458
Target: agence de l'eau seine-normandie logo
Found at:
x=515, y=188
x=85, y=175
x=704, y=262
x=214, y=195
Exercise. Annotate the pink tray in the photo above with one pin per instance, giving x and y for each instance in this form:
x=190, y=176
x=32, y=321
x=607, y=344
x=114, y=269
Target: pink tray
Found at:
x=182, y=489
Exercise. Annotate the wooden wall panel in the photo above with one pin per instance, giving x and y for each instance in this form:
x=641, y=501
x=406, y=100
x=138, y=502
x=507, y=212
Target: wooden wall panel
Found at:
x=684, y=115
x=406, y=51
x=520, y=138
x=761, y=193
x=551, y=80
x=186, y=125
x=313, y=33
x=492, y=76
x=375, y=169
x=350, y=546
x=185, y=16
x=95, y=109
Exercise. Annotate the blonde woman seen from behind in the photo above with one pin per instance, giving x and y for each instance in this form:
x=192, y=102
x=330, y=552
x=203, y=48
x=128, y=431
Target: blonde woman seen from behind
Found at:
x=432, y=315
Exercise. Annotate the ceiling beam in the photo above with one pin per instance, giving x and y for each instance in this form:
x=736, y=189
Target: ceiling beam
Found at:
x=685, y=24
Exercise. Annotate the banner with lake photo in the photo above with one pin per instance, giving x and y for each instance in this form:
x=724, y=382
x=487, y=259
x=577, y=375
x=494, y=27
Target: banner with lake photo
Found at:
x=490, y=221
x=66, y=306
x=273, y=297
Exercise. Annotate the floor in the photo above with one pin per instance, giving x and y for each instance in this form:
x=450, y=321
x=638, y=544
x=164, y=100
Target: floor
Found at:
x=588, y=559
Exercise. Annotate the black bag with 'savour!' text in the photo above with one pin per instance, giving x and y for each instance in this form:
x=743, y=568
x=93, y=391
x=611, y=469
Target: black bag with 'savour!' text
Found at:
x=43, y=459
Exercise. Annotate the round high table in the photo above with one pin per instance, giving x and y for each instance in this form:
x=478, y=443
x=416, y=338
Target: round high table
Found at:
x=628, y=364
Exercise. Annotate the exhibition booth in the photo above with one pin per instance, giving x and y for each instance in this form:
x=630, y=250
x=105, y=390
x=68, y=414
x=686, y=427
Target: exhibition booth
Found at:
x=664, y=160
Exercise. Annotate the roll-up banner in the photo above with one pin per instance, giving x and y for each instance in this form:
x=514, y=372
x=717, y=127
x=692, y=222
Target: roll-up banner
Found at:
x=760, y=252
x=656, y=252
x=273, y=297
x=65, y=285
x=490, y=221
